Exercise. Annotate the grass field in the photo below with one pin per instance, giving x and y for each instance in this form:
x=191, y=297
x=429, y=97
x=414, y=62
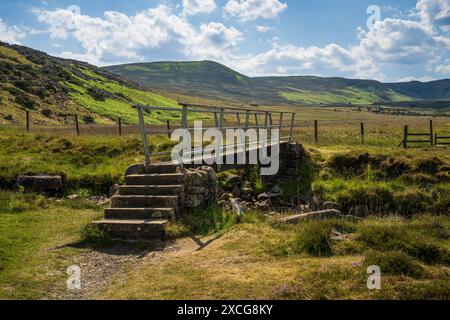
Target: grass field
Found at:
x=407, y=233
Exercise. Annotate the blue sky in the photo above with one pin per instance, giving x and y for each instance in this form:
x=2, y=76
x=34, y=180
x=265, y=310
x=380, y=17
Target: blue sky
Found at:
x=408, y=40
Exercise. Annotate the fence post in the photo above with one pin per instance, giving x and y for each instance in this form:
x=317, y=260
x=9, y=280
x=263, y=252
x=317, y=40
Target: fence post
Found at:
x=316, y=134
x=281, y=122
x=247, y=125
x=257, y=128
x=431, y=133
x=362, y=133
x=120, y=127
x=144, y=138
x=169, y=131
x=405, y=137
x=221, y=124
x=435, y=139
x=216, y=120
x=292, y=128
x=77, y=125
x=28, y=120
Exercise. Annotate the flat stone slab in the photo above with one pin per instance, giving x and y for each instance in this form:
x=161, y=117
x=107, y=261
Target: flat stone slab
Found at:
x=316, y=215
x=40, y=183
x=133, y=229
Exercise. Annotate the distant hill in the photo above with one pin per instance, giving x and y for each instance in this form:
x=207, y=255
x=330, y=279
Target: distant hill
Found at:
x=211, y=80
x=53, y=89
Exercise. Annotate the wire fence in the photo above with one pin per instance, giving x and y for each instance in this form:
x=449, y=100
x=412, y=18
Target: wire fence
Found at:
x=364, y=131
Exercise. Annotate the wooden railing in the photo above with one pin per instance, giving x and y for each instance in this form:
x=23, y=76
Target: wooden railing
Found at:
x=242, y=119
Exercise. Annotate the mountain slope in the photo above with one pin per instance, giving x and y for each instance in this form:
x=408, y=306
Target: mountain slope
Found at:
x=53, y=89
x=212, y=80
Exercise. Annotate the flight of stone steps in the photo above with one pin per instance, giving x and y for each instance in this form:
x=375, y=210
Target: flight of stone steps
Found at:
x=146, y=204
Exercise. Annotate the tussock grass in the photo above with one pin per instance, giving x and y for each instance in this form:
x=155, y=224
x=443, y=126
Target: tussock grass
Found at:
x=93, y=163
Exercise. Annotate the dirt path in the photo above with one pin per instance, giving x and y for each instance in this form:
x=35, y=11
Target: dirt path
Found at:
x=100, y=267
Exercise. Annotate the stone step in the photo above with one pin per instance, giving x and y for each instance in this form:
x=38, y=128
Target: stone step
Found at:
x=151, y=190
x=163, y=168
x=154, y=179
x=144, y=201
x=133, y=229
x=139, y=213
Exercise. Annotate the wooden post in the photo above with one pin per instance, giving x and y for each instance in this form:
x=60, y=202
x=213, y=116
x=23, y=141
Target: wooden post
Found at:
x=281, y=122
x=120, y=126
x=257, y=127
x=435, y=139
x=431, y=133
x=77, y=125
x=28, y=120
x=316, y=134
x=169, y=131
x=405, y=137
x=291, y=133
x=362, y=133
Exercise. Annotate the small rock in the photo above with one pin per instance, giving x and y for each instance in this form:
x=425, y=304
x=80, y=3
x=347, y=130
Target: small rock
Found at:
x=234, y=179
x=114, y=190
x=236, y=191
x=277, y=190
x=225, y=197
x=73, y=197
x=263, y=196
x=263, y=205
x=223, y=204
x=246, y=185
x=246, y=197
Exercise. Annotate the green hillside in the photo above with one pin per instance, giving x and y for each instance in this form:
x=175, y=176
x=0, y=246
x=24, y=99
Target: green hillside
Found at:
x=53, y=89
x=211, y=80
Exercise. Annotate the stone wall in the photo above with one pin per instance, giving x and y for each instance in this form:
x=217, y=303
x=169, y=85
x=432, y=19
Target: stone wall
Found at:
x=291, y=156
x=201, y=187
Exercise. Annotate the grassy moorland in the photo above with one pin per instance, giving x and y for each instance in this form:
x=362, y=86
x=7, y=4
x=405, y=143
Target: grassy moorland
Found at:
x=54, y=89
x=211, y=80
x=406, y=233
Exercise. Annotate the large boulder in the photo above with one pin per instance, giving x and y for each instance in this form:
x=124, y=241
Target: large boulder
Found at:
x=40, y=183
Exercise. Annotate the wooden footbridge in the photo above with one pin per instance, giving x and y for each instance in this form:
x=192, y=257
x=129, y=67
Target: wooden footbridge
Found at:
x=153, y=195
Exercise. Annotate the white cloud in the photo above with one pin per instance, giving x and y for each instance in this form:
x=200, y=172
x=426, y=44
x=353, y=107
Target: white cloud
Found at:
x=444, y=68
x=331, y=59
x=421, y=79
x=263, y=29
x=193, y=7
x=214, y=41
x=434, y=13
x=402, y=42
x=249, y=10
x=121, y=37
x=11, y=34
